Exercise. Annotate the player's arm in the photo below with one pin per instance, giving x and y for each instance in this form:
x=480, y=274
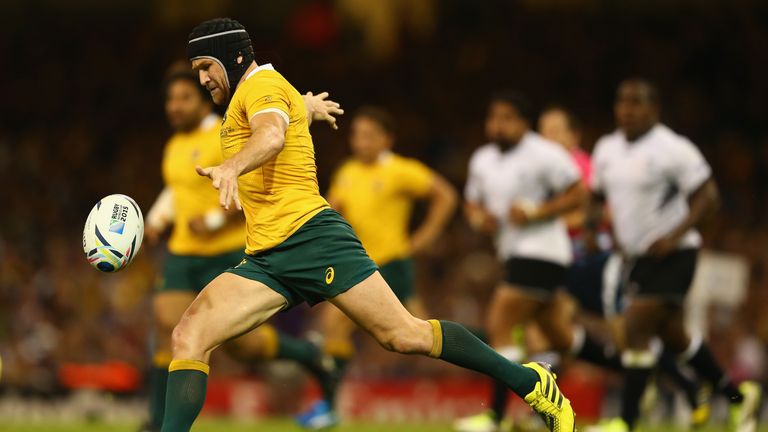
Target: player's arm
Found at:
x=573, y=197
x=214, y=220
x=687, y=168
x=702, y=203
x=320, y=108
x=266, y=142
x=160, y=216
x=478, y=217
x=442, y=203
x=595, y=206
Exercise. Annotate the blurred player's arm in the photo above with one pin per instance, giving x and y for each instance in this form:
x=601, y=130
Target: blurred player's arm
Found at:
x=476, y=214
x=266, y=141
x=571, y=198
x=442, y=204
x=320, y=108
x=702, y=204
x=214, y=220
x=479, y=218
x=692, y=175
x=160, y=216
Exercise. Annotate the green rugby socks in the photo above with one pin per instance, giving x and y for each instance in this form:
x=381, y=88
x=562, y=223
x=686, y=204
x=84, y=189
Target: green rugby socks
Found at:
x=187, y=384
x=455, y=344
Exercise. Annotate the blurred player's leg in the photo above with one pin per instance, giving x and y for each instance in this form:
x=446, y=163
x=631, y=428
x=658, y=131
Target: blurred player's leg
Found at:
x=338, y=348
x=511, y=307
x=695, y=394
x=557, y=321
x=744, y=399
x=643, y=319
x=267, y=343
x=373, y=306
x=229, y=306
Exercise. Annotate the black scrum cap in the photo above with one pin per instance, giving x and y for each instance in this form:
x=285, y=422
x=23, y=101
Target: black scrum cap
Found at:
x=222, y=40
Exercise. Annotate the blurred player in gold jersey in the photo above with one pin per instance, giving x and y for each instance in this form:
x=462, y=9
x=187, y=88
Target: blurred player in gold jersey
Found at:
x=298, y=249
x=205, y=240
x=375, y=191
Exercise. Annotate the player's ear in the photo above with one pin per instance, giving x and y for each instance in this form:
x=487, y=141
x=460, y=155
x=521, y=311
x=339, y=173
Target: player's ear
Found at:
x=239, y=59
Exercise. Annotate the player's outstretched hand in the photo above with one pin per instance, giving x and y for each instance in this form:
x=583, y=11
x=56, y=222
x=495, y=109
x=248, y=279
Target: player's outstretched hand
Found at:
x=224, y=179
x=320, y=108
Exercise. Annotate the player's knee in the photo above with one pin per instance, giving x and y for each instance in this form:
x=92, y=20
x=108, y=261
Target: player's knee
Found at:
x=185, y=343
x=410, y=339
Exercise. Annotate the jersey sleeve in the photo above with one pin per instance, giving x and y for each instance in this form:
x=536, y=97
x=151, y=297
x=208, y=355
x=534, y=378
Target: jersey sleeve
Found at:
x=560, y=171
x=415, y=178
x=596, y=182
x=268, y=95
x=473, y=190
x=688, y=167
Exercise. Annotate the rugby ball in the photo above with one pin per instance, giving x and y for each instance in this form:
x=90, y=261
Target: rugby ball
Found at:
x=113, y=233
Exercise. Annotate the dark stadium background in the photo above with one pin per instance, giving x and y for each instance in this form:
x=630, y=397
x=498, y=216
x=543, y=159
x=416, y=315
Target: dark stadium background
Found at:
x=82, y=118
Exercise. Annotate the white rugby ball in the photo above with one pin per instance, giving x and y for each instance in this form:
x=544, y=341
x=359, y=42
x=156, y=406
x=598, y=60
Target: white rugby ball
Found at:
x=113, y=233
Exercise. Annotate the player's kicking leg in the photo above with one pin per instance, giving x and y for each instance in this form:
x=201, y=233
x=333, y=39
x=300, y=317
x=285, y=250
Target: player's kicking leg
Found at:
x=373, y=306
x=228, y=307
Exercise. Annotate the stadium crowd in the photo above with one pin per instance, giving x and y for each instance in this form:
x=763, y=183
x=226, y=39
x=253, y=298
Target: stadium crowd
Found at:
x=82, y=123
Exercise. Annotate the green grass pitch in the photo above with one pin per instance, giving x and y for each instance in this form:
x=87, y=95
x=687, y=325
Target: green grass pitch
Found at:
x=210, y=425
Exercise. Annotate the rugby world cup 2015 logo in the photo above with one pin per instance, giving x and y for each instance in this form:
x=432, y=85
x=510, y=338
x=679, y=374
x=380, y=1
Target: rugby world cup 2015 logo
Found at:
x=117, y=221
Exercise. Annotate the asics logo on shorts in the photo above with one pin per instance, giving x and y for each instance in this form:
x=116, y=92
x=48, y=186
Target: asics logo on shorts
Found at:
x=329, y=273
x=241, y=263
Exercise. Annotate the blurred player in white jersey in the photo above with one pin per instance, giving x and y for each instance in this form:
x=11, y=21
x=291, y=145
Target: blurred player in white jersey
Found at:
x=595, y=278
x=519, y=186
x=658, y=188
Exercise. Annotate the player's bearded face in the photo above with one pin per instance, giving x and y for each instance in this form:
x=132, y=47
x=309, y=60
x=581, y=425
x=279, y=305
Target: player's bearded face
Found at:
x=184, y=105
x=503, y=125
x=214, y=79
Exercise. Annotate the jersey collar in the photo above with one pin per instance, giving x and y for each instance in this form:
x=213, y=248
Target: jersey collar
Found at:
x=266, y=66
x=209, y=121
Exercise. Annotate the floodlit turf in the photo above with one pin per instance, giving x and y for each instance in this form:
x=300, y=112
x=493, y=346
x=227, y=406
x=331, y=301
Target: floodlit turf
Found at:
x=271, y=425
x=227, y=426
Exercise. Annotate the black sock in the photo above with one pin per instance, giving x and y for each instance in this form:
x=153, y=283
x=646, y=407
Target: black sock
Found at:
x=499, y=399
x=668, y=365
x=635, y=380
x=705, y=365
x=595, y=353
